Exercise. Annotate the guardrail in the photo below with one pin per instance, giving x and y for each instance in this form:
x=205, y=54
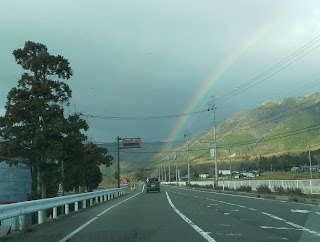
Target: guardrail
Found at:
x=21, y=209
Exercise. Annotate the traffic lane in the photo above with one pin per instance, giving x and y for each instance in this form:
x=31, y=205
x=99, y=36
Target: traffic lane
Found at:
x=56, y=229
x=224, y=222
x=305, y=215
x=146, y=217
x=260, y=219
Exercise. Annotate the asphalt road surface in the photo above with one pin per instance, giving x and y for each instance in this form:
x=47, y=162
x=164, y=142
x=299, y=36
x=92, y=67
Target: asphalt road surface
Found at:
x=183, y=214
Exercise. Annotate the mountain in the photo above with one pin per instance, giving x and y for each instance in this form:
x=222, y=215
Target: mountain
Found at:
x=274, y=127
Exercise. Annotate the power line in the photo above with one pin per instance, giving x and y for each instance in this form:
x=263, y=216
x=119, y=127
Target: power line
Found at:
x=266, y=119
x=278, y=136
x=292, y=58
x=143, y=118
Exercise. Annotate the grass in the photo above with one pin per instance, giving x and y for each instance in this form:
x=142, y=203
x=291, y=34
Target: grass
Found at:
x=278, y=175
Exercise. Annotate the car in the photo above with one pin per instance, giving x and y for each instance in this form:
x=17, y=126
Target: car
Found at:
x=153, y=184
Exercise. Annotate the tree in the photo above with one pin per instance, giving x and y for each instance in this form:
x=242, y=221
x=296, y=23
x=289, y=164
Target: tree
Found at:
x=70, y=153
x=94, y=157
x=33, y=122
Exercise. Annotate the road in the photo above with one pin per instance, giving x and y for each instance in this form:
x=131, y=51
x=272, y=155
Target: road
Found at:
x=183, y=214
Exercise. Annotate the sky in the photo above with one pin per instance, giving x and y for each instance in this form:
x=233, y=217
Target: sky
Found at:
x=155, y=58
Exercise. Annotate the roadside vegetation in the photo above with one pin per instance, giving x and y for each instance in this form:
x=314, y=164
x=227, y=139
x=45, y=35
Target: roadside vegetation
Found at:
x=36, y=132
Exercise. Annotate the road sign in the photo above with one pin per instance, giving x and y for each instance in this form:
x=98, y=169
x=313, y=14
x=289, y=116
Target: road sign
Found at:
x=131, y=143
x=211, y=152
x=124, y=181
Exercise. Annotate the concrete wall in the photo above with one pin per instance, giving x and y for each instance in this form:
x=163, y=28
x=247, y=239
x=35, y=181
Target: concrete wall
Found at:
x=15, y=183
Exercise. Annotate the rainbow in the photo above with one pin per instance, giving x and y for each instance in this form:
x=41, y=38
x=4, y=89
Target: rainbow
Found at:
x=218, y=71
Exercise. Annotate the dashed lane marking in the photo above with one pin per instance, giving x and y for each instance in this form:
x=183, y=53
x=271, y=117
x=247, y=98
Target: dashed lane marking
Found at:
x=205, y=235
x=267, y=214
x=93, y=219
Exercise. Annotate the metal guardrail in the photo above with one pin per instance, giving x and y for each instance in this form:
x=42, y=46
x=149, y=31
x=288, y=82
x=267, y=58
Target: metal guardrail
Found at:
x=23, y=208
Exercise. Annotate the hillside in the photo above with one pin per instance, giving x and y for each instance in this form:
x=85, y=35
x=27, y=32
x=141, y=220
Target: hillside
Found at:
x=275, y=127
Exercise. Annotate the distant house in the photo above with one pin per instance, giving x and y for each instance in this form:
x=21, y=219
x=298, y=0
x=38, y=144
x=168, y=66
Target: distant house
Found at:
x=204, y=175
x=295, y=169
x=248, y=174
x=224, y=172
x=306, y=168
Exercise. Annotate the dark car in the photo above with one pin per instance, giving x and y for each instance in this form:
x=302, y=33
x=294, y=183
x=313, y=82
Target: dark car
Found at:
x=153, y=184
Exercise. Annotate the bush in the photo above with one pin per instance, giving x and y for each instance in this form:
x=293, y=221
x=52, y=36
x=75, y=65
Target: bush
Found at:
x=293, y=191
x=217, y=187
x=263, y=189
x=279, y=190
x=244, y=188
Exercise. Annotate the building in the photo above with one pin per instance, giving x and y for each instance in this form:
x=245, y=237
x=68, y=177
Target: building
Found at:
x=204, y=175
x=224, y=172
x=15, y=183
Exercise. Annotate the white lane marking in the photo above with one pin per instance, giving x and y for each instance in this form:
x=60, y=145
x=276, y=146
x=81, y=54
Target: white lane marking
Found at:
x=278, y=228
x=226, y=213
x=293, y=224
x=234, y=195
x=205, y=235
x=93, y=219
x=318, y=213
x=229, y=234
x=300, y=211
x=267, y=214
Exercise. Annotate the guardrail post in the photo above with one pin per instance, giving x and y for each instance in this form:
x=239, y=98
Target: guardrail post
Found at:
x=54, y=212
x=101, y=199
x=22, y=222
x=40, y=217
x=76, y=206
x=66, y=208
x=105, y=198
x=96, y=200
x=84, y=203
x=91, y=201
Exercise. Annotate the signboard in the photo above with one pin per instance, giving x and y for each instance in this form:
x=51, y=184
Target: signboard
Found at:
x=211, y=152
x=124, y=181
x=131, y=143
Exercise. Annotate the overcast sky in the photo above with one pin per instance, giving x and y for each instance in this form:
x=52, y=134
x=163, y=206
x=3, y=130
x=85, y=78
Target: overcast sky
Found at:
x=152, y=58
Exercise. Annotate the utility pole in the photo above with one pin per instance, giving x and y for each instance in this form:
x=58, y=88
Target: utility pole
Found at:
x=169, y=172
x=165, y=172
x=187, y=135
x=169, y=175
x=118, y=139
x=215, y=140
x=175, y=157
x=230, y=166
x=310, y=162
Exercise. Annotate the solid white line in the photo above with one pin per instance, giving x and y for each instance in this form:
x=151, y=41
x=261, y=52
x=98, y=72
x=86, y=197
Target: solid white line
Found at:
x=192, y=224
x=234, y=195
x=267, y=214
x=93, y=219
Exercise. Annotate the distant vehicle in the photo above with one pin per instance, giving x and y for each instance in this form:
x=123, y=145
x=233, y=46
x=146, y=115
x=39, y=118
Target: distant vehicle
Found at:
x=153, y=184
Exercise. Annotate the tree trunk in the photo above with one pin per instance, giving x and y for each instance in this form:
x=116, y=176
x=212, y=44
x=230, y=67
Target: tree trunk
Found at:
x=39, y=184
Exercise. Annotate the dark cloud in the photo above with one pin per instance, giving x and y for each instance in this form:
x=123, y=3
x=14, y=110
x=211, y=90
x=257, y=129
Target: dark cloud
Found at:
x=148, y=58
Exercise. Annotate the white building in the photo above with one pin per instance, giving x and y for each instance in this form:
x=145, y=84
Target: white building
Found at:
x=204, y=175
x=224, y=172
